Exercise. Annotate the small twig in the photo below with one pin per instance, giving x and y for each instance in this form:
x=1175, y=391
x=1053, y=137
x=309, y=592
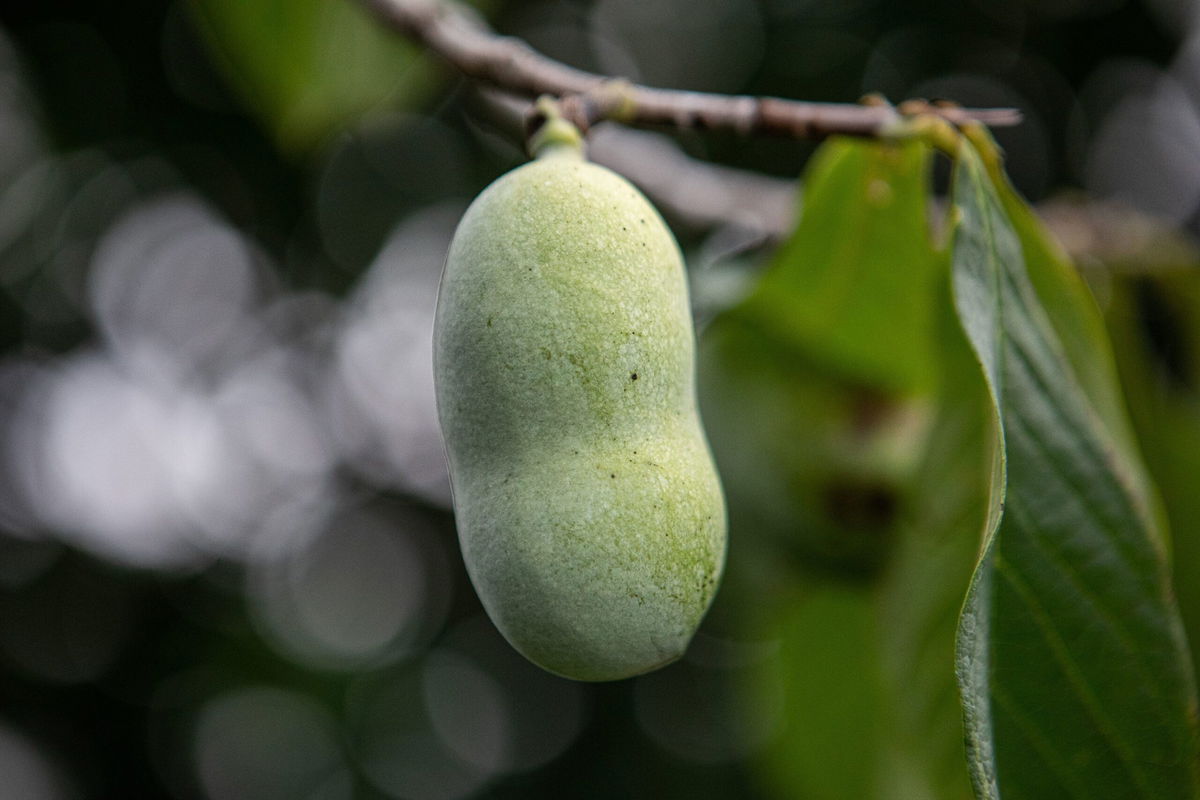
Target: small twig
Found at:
x=512, y=65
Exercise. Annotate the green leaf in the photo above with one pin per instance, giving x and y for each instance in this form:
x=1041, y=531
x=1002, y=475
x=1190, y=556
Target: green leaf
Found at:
x=1075, y=317
x=814, y=464
x=863, y=676
x=852, y=287
x=308, y=67
x=920, y=597
x=797, y=405
x=813, y=388
x=1071, y=656
x=826, y=674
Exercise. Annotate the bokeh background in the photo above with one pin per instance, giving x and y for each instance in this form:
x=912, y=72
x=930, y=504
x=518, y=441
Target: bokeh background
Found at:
x=227, y=562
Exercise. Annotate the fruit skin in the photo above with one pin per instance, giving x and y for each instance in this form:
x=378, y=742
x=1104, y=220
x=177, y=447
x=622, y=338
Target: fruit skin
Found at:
x=589, y=511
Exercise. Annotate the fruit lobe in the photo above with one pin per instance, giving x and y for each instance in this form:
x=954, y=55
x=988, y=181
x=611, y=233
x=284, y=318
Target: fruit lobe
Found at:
x=589, y=512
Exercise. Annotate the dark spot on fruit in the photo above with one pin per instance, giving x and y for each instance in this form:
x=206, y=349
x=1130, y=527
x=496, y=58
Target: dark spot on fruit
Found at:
x=489, y=321
x=612, y=475
x=633, y=376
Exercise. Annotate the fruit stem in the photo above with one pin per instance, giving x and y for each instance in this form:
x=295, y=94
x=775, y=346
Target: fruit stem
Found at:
x=556, y=133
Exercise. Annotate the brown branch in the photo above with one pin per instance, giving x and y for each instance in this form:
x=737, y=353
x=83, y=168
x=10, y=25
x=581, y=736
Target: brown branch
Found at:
x=512, y=65
x=703, y=195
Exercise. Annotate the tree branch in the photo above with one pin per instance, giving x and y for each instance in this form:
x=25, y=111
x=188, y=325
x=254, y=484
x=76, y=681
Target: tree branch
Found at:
x=1097, y=235
x=512, y=65
x=704, y=195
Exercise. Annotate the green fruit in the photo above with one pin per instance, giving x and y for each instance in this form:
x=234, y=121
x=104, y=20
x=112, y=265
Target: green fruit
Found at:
x=590, y=514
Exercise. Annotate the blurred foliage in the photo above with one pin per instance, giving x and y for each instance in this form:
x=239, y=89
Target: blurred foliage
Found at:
x=812, y=386
x=321, y=66
x=829, y=424
x=1154, y=320
x=849, y=290
x=869, y=698
x=227, y=567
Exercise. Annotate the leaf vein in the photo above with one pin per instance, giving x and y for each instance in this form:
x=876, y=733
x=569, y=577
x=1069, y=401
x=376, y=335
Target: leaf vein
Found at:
x=1071, y=670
